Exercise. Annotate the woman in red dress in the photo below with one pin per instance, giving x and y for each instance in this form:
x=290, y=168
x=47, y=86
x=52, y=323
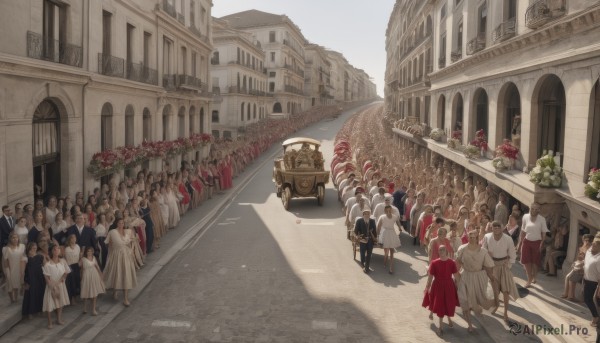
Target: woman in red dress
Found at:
x=425, y=221
x=441, y=297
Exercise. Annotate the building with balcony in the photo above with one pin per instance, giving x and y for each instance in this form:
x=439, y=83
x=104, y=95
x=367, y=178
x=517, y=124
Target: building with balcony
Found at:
x=528, y=71
x=238, y=70
x=80, y=77
x=318, y=76
x=283, y=44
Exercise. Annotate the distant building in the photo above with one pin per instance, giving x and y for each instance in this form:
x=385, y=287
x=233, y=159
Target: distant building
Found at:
x=318, y=76
x=238, y=71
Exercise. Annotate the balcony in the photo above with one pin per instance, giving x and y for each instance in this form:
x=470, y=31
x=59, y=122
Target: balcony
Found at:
x=442, y=62
x=111, y=66
x=296, y=70
x=504, y=31
x=199, y=34
x=287, y=43
x=237, y=90
x=170, y=9
x=292, y=89
x=543, y=11
x=476, y=44
x=189, y=82
x=137, y=72
x=456, y=55
x=53, y=50
x=169, y=81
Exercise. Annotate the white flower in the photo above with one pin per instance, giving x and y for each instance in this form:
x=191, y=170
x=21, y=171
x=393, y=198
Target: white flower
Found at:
x=537, y=170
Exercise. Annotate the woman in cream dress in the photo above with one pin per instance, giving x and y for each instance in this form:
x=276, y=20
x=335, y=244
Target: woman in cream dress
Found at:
x=119, y=273
x=477, y=268
x=56, y=296
x=171, y=200
x=13, y=263
x=164, y=208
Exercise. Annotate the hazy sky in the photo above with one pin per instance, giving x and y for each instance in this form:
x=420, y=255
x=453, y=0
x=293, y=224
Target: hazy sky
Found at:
x=356, y=28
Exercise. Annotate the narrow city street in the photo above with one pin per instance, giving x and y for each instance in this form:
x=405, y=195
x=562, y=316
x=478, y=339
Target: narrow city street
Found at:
x=261, y=274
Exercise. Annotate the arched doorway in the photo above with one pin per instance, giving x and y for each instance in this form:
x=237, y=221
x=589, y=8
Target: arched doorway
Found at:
x=181, y=122
x=46, y=150
x=147, y=125
x=129, y=129
x=481, y=111
x=509, y=112
x=457, y=113
x=550, y=111
x=441, y=111
x=277, y=108
x=242, y=112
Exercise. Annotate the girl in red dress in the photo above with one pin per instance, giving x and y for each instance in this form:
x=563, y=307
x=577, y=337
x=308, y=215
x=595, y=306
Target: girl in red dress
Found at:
x=441, y=297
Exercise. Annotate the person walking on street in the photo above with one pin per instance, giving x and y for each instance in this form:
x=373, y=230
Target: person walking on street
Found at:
x=388, y=236
x=591, y=277
x=531, y=242
x=366, y=231
x=502, y=250
x=440, y=295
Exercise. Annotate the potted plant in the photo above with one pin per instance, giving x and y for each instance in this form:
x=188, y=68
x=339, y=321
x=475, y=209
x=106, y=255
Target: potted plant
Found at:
x=546, y=173
x=592, y=188
x=506, y=155
x=471, y=151
x=456, y=140
x=480, y=141
x=436, y=134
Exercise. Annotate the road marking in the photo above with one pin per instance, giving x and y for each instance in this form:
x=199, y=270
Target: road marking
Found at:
x=226, y=223
x=243, y=266
x=323, y=325
x=244, y=203
x=312, y=271
x=171, y=324
x=320, y=224
x=232, y=219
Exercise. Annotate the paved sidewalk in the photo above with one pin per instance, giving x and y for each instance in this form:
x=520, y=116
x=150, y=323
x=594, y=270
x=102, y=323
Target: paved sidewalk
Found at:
x=83, y=328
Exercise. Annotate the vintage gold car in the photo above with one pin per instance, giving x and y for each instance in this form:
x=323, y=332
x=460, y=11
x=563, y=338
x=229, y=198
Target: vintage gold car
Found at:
x=300, y=172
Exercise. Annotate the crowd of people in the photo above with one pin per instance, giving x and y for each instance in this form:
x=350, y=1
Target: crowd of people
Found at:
x=471, y=231
x=60, y=249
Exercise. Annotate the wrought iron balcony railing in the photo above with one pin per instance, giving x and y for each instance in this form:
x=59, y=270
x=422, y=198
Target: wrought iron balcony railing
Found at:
x=137, y=72
x=543, y=11
x=189, y=82
x=292, y=89
x=169, y=81
x=504, y=31
x=170, y=9
x=456, y=55
x=476, y=44
x=442, y=62
x=111, y=65
x=53, y=50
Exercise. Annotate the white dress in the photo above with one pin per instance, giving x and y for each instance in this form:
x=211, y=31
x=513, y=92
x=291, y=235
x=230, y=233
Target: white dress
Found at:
x=22, y=232
x=388, y=236
x=164, y=209
x=14, y=257
x=60, y=298
x=91, y=283
x=173, y=209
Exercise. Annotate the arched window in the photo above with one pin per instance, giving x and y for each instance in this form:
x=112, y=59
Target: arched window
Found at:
x=441, y=111
x=457, y=113
x=277, y=108
x=481, y=110
x=254, y=112
x=242, y=112
x=248, y=108
x=46, y=146
x=594, y=153
x=129, y=129
x=106, y=128
x=550, y=115
x=509, y=112
x=202, y=120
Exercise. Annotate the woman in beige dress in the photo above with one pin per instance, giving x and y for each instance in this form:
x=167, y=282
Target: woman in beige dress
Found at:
x=91, y=279
x=119, y=273
x=13, y=263
x=477, y=266
x=56, y=296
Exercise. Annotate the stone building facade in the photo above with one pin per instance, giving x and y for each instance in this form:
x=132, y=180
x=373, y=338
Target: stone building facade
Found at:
x=238, y=70
x=318, y=76
x=79, y=77
x=523, y=70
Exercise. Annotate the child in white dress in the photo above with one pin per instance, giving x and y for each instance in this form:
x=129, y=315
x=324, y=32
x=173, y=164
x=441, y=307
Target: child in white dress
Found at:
x=56, y=296
x=91, y=280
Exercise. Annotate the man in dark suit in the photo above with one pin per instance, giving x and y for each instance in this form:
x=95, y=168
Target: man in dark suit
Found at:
x=86, y=236
x=365, y=230
x=7, y=224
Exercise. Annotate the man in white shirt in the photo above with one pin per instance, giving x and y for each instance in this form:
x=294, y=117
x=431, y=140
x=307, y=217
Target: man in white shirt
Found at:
x=531, y=243
x=345, y=183
x=379, y=209
x=591, y=277
x=502, y=250
x=378, y=198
